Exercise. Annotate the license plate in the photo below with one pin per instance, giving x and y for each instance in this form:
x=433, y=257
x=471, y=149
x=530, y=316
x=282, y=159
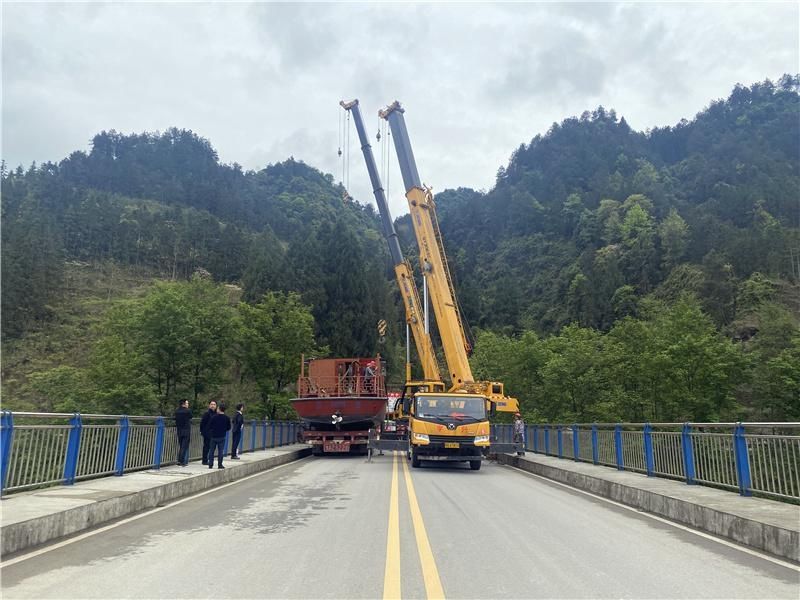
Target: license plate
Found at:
x=336, y=447
x=451, y=444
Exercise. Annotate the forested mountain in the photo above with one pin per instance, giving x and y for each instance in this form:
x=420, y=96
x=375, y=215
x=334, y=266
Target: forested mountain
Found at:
x=163, y=203
x=611, y=274
x=591, y=217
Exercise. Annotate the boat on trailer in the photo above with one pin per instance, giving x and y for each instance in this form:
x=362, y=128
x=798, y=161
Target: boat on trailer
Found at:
x=339, y=400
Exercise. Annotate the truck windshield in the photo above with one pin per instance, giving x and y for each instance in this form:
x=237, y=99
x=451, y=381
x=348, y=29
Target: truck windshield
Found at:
x=469, y=407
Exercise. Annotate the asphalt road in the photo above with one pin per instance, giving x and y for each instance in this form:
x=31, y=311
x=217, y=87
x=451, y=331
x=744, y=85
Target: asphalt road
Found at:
x=324, y=527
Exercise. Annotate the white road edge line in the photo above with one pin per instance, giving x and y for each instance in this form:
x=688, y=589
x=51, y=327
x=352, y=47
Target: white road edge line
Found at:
x=707, y=536
x=83, y=536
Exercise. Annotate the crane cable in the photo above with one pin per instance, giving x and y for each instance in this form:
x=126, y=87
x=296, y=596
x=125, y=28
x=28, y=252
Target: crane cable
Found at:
x=347, y=156
x=344, y=152
x=341, y=157
x=386, y=149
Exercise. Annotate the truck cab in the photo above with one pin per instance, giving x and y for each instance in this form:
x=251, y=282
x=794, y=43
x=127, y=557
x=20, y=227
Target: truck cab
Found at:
x=447, y=427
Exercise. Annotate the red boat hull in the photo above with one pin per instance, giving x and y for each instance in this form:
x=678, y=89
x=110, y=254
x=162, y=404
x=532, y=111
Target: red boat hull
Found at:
x=353, y=410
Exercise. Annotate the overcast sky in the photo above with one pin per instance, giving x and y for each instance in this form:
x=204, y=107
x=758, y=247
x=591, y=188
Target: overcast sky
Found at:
x=262, y=81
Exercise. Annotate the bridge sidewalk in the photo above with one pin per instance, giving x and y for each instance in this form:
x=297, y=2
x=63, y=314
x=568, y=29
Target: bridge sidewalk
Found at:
x=28, y=519
x=765, y=525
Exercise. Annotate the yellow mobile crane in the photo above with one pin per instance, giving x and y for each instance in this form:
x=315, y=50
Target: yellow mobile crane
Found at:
x=402, y=269
x=452, y=425
x=433, y=262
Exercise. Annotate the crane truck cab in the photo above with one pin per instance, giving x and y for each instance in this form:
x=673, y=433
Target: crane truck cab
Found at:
x=451, y=427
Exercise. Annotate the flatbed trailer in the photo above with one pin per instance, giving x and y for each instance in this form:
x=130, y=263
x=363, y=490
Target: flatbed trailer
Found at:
x=337, y=442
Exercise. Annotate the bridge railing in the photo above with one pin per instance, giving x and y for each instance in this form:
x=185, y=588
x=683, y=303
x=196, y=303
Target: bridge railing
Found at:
x=760, y=458
x=41, y=449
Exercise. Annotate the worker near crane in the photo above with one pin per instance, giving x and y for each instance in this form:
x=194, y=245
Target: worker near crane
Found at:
x=369, y=377
x=519, y=434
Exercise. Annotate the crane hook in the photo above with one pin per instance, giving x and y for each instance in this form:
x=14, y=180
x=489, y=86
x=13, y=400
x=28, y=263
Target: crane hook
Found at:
x=340, y=150
x=378, y=136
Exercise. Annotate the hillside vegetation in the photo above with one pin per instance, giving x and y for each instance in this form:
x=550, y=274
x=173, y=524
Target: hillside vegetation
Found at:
x=609, y=274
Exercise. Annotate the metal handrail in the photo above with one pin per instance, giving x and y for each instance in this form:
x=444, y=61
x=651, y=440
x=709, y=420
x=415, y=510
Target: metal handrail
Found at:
x=731, y=456
x=35, y=455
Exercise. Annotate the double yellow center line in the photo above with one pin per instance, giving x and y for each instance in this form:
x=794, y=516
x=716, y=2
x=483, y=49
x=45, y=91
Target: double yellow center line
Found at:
x=392, y=571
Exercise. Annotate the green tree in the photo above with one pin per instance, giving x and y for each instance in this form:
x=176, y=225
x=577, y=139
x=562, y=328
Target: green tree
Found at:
x=673, y=233
x=275, y=333
x=575, y=385
x=118, y=374
x=63, y=389
x=638, y=255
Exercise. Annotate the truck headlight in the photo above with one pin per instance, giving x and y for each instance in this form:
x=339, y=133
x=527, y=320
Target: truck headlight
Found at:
x=481, y=439
x=422, y=437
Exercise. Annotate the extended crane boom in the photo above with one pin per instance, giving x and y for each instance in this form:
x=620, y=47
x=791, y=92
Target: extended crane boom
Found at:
x=402, y=269
x=434, y=266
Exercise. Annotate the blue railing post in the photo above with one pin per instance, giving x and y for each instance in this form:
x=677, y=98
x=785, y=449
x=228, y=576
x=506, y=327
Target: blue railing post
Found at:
x=547, y=440
x=576, y=446
x=73, y=446
x=264, y=434
x=535, y=438
x=159, y=447
x=122, y=445
x=273, y=435
x=559, y=439
x=525, y=437
x=649, y=462
x=595, y=447
x=688, y=452
x=280, y=433
x=618, y=447
x=742, y=460
x=225, y=444
x=253, y=436
x=6, y=440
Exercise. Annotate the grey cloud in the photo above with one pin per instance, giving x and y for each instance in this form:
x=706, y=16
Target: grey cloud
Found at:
x=262, y=81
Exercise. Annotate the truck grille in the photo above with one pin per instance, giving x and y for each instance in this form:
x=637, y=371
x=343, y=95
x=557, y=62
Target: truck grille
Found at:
x=463, y=439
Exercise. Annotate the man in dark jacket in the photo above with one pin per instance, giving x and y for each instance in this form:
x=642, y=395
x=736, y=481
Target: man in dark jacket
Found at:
x=204, y=423
x=183, y=426
x=219, y=426
x=238, y=424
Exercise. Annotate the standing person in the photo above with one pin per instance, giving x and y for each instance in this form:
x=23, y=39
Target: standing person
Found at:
x=348, y=378
x=519, y=434
x=183, y=426
x=219, y=426
x=238, y=424
x=369, y=377
x=204, y=431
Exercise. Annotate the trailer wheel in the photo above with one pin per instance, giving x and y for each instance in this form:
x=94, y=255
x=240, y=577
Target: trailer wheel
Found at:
x=475, y=465
x=415, y=461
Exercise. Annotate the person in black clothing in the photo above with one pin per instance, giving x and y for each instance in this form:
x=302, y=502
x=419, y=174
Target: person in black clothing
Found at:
x=238, y=424
x=204, y=423
x=183, y=426
x=219, y=426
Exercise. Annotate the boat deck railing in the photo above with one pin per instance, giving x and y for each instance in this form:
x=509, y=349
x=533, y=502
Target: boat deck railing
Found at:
x=333, y=386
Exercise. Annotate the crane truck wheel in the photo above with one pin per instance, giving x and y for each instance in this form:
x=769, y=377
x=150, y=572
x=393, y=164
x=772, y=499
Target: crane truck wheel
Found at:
x=475, y=465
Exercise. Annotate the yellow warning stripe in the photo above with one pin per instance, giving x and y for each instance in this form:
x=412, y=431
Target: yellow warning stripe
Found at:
x=391, y=573
x=430, y=574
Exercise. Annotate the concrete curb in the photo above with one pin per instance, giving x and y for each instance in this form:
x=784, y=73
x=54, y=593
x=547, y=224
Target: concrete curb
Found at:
x=767, y=537
x=24, y=535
